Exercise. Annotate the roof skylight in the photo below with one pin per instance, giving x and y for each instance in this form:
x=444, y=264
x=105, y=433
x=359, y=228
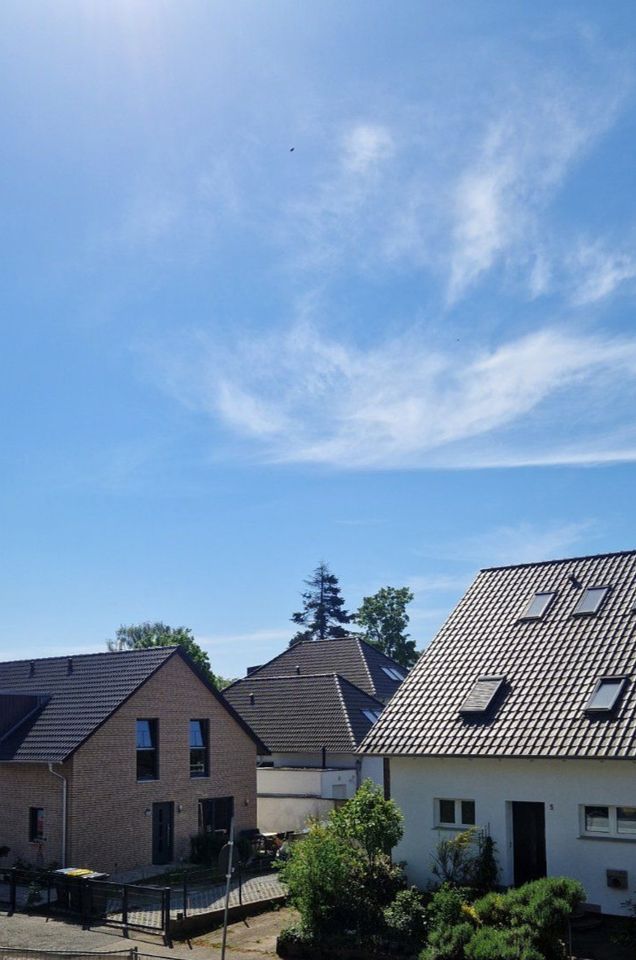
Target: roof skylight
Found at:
x=538, y=605
x=591, y=600
x=605, y=695
x=482, y=695
x=372, y=715
x=393, y=673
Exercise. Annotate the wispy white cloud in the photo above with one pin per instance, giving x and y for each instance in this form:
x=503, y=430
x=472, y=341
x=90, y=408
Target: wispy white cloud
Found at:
x=597, y=271
x=524, y=543
x=552, y=396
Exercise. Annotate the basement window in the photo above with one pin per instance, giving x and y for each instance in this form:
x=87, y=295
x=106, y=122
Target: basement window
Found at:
x=455, y=813
x=538, y=605
x=482, y=696
x=605, y=695
x=590, y=602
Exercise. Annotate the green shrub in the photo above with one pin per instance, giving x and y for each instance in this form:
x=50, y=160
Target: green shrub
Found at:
x=405, y=918
x=453, y=862
x=448, y=943
x=490, y=943
x=484, y=872
x=369, y=820
x=322, y=875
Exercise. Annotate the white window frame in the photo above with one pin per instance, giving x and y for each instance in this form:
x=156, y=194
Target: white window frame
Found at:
x=612, y=833
x=458, y=825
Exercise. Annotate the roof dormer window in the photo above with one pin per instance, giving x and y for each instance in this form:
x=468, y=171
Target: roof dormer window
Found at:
x=591, y=600
x=482, y=696
x=372, y=715
x=393, y=673
x=538, y=605
x=605, y=695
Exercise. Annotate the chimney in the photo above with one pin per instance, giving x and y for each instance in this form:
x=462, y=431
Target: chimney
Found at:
x=32, y=668
x=69, y=665
x=251, y=670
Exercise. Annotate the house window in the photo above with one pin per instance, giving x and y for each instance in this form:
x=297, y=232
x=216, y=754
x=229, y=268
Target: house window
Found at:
x=609, y=821
x=199, y=753
x=482, y=696
x=147, y=750
x=590, y=601
x=36, y=824
x=372, y=715
x=393, y=673
x=605, y=695
x=455, y=813
x=216, y=815
x=538, y=605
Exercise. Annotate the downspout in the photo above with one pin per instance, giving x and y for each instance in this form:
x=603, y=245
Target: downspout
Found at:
x=64, y=805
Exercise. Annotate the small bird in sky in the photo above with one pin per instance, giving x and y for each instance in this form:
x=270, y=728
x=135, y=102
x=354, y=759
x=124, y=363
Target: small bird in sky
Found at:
x=291, y=149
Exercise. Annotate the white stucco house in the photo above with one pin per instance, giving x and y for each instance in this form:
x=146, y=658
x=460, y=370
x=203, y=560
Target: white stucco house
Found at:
x=520, y=718
x=312, y=706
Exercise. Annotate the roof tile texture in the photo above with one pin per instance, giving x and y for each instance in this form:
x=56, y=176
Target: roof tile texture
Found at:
x=551, y=666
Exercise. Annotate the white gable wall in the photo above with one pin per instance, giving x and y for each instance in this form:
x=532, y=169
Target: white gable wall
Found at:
x=561, y=785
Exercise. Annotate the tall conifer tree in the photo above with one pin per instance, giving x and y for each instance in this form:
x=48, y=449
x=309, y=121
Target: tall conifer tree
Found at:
x=323, y=613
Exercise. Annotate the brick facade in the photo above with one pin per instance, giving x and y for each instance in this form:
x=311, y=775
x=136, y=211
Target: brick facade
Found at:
x=109, y=812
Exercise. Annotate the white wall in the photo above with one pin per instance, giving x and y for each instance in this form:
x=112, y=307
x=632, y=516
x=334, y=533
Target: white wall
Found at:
x=561, y=785
x=305, y=782
x=281, y=814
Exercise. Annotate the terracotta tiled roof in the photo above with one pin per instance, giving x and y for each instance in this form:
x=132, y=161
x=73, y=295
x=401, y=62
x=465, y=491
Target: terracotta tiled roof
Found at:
x=550, y=666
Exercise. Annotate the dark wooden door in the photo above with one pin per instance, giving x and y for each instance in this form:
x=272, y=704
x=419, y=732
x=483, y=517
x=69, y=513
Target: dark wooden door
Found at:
x=162, y=830
x=528, y=841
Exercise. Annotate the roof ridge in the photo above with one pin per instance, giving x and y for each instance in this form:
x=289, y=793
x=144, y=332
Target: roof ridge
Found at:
x=338, y=680
x=366, y=667
x=358, y=689
x=97, y=653
x=283, y=676
x=546, y=563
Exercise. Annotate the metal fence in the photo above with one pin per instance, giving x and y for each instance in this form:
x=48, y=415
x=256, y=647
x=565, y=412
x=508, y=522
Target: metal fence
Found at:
x=93, y=902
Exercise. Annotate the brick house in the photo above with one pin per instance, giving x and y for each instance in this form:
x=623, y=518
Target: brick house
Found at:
x=113, y=760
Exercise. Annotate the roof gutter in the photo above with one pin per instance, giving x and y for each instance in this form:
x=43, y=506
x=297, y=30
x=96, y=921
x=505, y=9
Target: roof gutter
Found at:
x=64, y=807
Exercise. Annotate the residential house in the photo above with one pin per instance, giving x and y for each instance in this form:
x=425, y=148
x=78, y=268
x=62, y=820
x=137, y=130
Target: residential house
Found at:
x=113, y=760
x=312, y=706
x=520, y=719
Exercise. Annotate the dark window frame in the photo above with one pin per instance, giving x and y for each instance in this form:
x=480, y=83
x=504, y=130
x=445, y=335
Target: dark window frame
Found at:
x=196, y=751
x=34, y=835
x=592, y=613
x=589, y=706
x=145, y=752
x=526, y=615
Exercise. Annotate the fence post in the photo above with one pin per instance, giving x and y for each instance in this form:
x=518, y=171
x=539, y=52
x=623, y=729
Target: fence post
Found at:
x=185, y=895
x=240, y=885
x=124, y=909
x=14, y=891
x=166, y=925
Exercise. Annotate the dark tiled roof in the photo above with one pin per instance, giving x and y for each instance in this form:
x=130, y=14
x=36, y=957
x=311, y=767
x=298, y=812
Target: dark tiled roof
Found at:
x=298, y=714
x=78, y=701
x=550, y=666
x=351, y=658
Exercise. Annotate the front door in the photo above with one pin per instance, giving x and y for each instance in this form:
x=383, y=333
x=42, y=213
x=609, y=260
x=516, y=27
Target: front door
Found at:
x=528, y=841
x=162, y=828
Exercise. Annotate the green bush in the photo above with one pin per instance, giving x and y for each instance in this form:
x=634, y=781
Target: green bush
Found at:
x=490, y=943
x=405, y=918
x=369, y=820
x=322, y=875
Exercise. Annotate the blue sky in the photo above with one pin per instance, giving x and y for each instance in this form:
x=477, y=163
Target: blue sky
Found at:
x=405, y=346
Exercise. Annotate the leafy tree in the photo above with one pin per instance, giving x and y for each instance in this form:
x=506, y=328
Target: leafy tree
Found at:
x=141, y=635
x=323, y=610
x=370, y=821
x=384, y=619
